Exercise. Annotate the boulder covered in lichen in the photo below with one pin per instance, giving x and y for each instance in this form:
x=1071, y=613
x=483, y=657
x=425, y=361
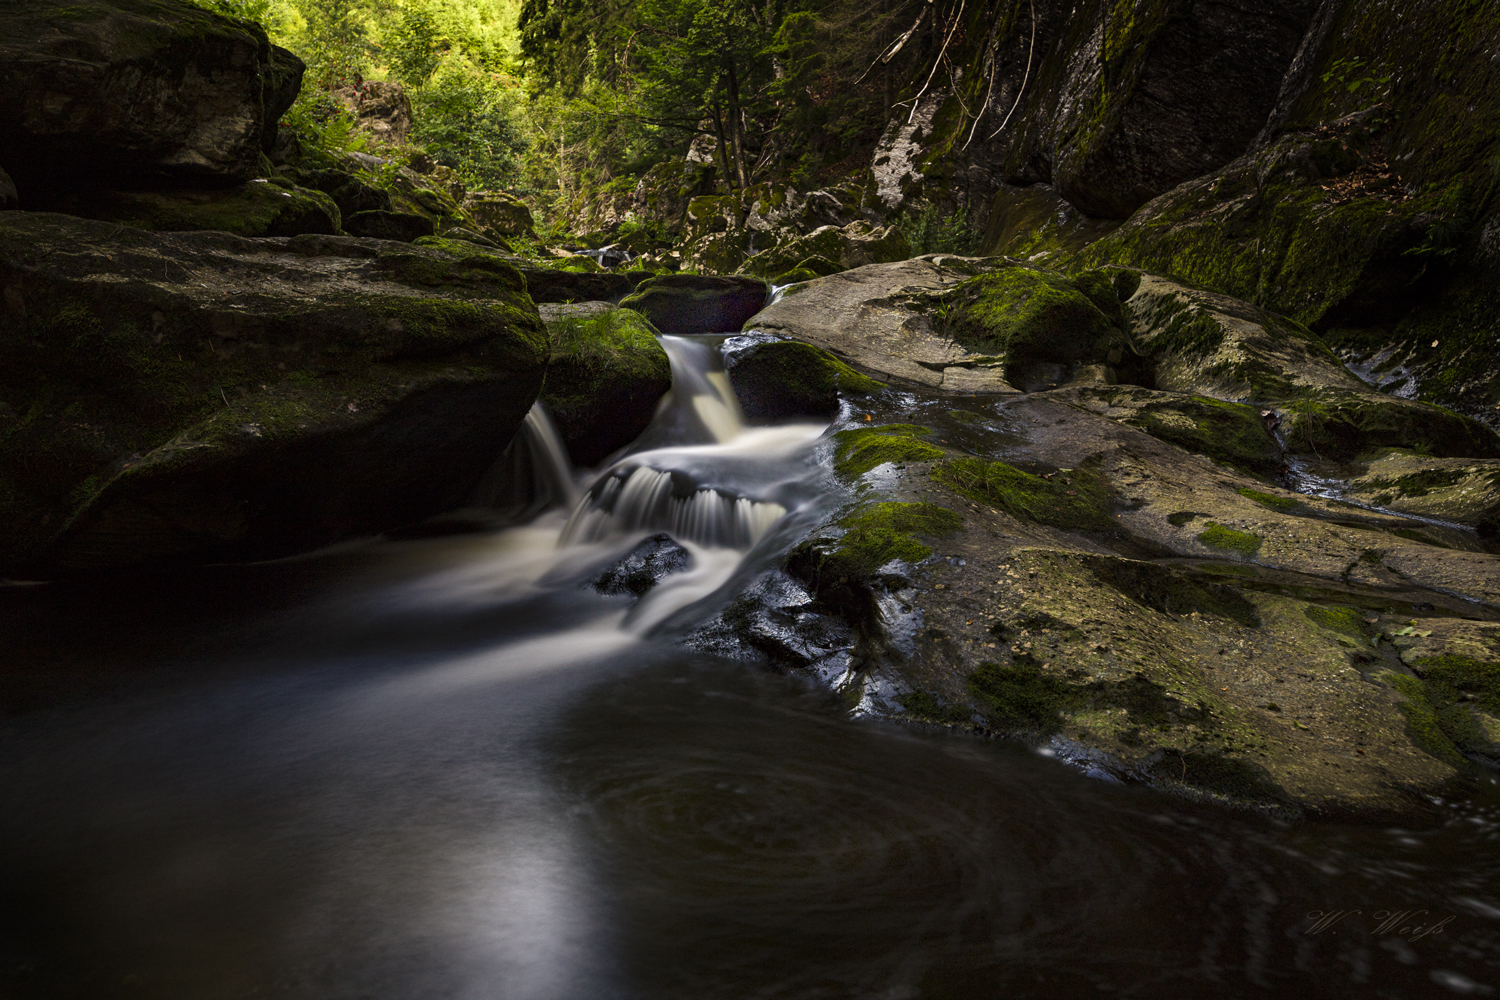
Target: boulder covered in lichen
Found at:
x=171, y=398
x=782, y=379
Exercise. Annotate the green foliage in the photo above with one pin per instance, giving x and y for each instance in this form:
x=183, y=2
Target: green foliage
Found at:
x=1077, y=499
x=1352, y=74
x=269, y=14
x=413, y=46
x=930, y=231
x=325, y=127
x=472, y=124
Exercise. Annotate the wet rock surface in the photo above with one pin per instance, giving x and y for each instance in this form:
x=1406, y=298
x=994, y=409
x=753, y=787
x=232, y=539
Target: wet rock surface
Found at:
x=644, y=567
x=867, y=317
x=198, y=396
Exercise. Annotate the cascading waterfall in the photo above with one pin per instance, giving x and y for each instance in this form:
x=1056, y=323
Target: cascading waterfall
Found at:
x=700, y=425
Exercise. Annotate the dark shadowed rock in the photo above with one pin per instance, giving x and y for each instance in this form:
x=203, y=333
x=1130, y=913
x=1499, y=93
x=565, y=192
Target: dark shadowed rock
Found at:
x=644, y=567
x=138, y=89
x=379, y=225
x=606, y=375
x=693, y=303
x=9, y=199
x=257, y=208
x=785, y=379
x=187, y=397
x=281, y=82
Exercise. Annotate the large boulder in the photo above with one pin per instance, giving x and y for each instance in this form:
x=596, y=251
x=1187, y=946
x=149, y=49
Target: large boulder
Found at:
x=892, y=319
x=256, y=208
x=170, y=398
x=1094, y=589
x=606, y=375
x=693, y=303
x=499, y=212
x=135, y=90
x=782, y=379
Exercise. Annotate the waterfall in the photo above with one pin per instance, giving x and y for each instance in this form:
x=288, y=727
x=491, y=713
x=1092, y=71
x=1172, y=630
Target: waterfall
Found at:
x=532, y=473
x=695, y=476
x=643, y=500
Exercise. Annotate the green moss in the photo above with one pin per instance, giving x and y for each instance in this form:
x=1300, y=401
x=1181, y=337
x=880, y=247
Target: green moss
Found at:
x=1024, y=697
x=874, y=535
x=1219, y=537
x=1418, y=484
x=1455, y=676
x=1423, y=724
x=858, y=451
x=1176, y=327
x=787, y=378
x=922, y=705
x=1026, y=314
x=1346, y=620
x=1077, y=499
x=1270, y=500
x=1231, y=433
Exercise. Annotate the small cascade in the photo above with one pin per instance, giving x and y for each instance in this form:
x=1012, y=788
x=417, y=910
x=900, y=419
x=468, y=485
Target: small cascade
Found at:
x=532, y=473
x=777, y=291
x=609, y=257
x=701, y=406
x=643, y=500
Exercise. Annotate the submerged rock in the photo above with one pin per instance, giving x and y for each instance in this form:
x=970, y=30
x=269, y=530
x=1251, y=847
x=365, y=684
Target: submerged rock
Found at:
x=606, y=375
x=692, y=303
x=644, y=567
x=174, y=398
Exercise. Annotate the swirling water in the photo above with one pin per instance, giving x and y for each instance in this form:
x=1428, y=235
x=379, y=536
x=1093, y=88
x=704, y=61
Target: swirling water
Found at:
x=447, y=768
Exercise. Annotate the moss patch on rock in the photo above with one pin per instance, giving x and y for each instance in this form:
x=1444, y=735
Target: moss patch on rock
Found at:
x=788, y=379
x=1219, y=537
x=1076, y=499
x=605, y=376
x=859, y=450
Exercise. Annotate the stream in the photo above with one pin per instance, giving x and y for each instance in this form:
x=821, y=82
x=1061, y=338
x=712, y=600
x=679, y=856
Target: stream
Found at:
x=462, y=767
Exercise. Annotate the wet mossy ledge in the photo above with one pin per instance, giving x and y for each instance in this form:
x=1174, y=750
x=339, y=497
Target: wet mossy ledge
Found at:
x=190, y=397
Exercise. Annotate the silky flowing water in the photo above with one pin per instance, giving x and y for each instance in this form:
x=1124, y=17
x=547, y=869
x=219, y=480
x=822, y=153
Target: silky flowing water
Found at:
x=448, y=767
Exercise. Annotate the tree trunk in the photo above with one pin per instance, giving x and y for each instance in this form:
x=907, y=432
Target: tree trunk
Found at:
x=737, y=126
x=718, y=120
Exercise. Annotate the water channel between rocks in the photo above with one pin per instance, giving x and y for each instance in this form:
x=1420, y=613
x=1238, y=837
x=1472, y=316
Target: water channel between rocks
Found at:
x=483, y=766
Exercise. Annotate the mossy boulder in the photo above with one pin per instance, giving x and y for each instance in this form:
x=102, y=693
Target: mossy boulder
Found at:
x=606, y=374
x=784, y=379
x=829, y=249
x=192, y=397
x=258, y=208
x=499, y=212
x=1232, y=433
x=400, y=227
x=692, y=303
x=143, y=90
x=1040, y=325
x=1209, y=344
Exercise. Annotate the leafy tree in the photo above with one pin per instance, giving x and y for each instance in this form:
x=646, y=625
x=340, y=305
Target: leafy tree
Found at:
x=471, y=123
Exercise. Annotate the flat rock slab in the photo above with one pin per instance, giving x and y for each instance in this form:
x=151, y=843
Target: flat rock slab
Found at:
x=866, y=316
